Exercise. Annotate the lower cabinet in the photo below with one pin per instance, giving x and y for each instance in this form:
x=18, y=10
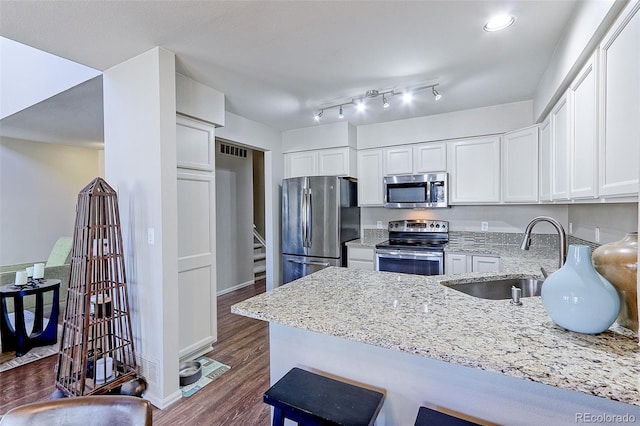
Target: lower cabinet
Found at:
x=461, y=263
x=360, y=258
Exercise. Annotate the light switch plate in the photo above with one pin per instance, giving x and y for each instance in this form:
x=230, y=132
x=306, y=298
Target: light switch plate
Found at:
x=485, y=226
x=151, y=236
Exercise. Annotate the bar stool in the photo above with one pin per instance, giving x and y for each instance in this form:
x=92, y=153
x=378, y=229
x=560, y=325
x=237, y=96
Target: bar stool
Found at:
x=311, y=399
x=429, y=417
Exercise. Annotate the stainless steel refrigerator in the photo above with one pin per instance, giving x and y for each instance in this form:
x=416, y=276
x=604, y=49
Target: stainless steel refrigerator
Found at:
x=319, y=214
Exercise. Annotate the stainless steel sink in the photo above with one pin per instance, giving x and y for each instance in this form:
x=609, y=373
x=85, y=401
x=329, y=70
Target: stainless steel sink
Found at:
x=500, y=289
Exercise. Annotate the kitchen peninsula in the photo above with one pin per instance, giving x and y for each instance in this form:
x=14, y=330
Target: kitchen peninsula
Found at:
x=427, y=344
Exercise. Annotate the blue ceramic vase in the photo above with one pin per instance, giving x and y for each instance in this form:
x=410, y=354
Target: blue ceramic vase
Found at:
x=579, y=299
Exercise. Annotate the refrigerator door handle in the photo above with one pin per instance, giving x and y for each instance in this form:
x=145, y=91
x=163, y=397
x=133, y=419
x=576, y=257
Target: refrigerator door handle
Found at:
x=304, y=217
x=302, y=262
x=309, y=220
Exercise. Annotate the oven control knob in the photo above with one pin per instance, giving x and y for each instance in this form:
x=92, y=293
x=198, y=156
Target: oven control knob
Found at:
x=438, y=225
x=431, y=225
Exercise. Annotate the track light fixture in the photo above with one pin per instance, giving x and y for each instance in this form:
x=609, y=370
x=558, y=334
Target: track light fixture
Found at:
x=359, y=101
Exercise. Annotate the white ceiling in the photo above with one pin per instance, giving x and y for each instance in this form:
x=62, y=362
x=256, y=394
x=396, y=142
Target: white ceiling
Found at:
x=279, y=61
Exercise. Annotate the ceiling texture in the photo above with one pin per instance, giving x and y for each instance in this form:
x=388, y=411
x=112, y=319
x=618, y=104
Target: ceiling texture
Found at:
x=279, y=62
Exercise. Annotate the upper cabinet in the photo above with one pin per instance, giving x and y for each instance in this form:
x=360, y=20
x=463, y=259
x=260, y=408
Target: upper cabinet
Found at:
x=415, y=159
x=560, y=150
x=370, y=177
x=619, y=112
x=474, y=170
x=583, y=145
x=544, y=166
x=321, y=162
x=520, y=166
x=323, y=150
x=397, y=160
x=430, y=157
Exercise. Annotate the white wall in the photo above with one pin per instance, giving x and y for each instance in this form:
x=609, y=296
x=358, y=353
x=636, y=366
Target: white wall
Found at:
x=29, y=76
x=234, y=221
x=39, y=186
x=258, y=136
x=614, y=221
x=451, y=125
x=140, y=163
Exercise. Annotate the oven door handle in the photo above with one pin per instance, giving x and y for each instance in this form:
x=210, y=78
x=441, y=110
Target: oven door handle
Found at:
x=404, y=253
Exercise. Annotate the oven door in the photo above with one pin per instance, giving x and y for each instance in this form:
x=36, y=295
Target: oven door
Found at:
x=410, y=262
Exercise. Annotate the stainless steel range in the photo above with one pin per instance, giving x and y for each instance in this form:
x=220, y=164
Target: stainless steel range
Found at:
x=414, y=247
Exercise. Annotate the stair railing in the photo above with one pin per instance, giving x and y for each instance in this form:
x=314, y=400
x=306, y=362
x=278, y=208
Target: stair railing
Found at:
x=259, y=237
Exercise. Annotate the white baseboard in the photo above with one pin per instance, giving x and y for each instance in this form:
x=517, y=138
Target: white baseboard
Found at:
x=235, y=287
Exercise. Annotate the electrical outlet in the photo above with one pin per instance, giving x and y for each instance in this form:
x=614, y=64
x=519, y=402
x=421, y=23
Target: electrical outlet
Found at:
x=151, y=236
x=597, y=234
x=379, y=224
x=484, y=226
x=570, y=227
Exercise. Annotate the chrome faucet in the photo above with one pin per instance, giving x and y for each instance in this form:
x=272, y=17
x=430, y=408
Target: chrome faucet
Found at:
x=526, y=242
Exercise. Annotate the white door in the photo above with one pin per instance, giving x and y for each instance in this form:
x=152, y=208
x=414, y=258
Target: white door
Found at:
x=196, y=238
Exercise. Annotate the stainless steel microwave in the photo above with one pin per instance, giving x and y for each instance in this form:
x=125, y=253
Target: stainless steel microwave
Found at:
x=414, y=191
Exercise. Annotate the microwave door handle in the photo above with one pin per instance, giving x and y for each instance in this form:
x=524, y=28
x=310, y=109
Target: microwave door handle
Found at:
x=429, y=186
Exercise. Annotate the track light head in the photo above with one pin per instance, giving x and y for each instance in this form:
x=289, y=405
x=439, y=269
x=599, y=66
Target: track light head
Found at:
x=318, y=116
x=360, y=105
x=340, y=113
x=435, y=93
x=407, y=97
x=385, y=102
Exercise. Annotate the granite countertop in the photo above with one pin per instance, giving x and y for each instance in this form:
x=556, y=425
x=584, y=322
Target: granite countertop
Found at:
x=413, y=314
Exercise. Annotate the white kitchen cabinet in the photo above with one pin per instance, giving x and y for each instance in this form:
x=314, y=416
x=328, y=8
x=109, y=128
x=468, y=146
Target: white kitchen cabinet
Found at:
x=583, y=146
x=337, y=162
x=301, y=164
x=461, y=263
x=321, y=162
x=370, y=177
x=560, y=136
x=398, y=160
x=474, y=170
x=520, y=166
x=485, y=264
x=544, y=166
x=360, y=258
x=619, y=111
x=455, y=263
x=430, y=157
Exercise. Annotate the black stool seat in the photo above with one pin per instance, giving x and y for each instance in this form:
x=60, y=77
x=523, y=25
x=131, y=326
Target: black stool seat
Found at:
x=311, y=399
x=428, y=417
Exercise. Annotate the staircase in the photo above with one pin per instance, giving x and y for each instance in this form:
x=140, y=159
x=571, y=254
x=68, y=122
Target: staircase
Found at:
x=259, y=256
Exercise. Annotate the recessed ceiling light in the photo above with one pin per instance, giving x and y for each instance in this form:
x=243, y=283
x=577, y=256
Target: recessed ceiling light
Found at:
x=499, y=22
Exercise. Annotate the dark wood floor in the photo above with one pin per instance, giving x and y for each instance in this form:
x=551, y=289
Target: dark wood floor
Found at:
x=235, y=398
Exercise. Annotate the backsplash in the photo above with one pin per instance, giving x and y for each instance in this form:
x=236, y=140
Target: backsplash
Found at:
x=481, y=239
x=372, y=236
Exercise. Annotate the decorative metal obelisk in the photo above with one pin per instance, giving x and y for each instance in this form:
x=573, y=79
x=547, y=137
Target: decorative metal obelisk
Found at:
x=96, y=352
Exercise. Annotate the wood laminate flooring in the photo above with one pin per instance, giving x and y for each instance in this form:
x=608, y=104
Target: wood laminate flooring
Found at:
x=235, y=398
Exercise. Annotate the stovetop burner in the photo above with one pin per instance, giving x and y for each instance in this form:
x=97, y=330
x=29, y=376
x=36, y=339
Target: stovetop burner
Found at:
x=417, y=234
